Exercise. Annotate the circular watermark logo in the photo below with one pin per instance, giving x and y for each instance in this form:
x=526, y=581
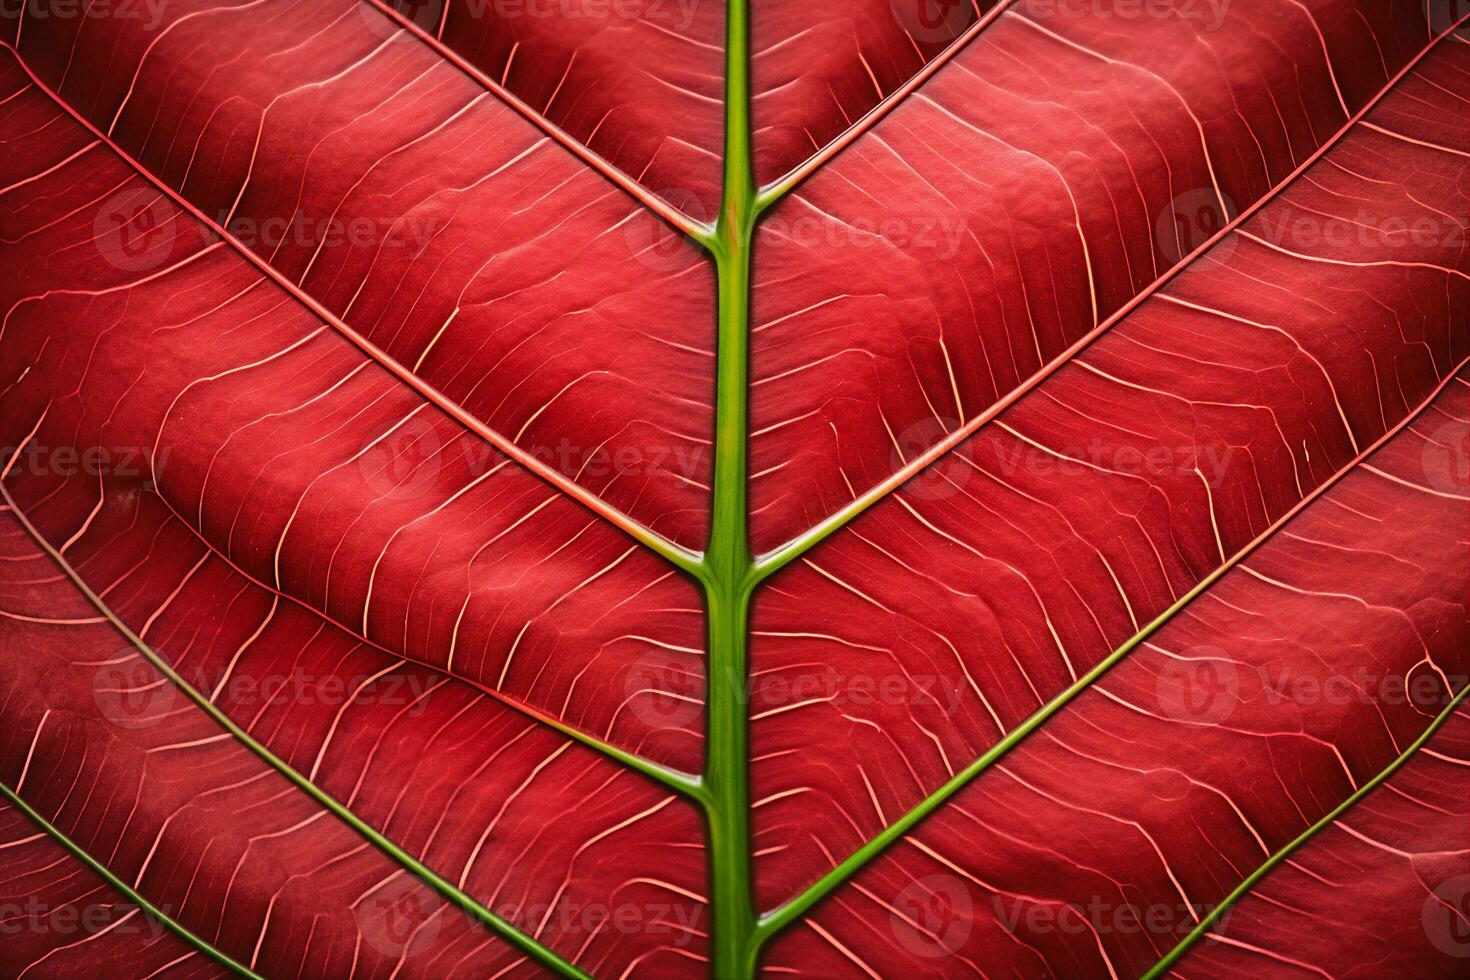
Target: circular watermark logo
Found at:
x=1446, y=15
x=1203, y=688
x=933, y=21
x=426, y=15
x=941, y=479
x=134, y=229
x=1446, y=917
x=653, y=241
x=132, y=693
x=932, y=916
x=398, y=919
x=1191, y=220
x=1447, y=458
x=652, y=687
x=404, y=464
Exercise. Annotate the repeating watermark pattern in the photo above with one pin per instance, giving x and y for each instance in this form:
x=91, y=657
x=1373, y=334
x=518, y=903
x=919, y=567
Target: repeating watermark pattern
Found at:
x=34, y=915
x=937, y=236
x=402, y=918
x=1446, y=458
x=131, y=693
x=1007, y=458
x=1192, y=219
x=653, y=682
x=429, y=16
x=1303, y=231
x=941, y=479
x=40, y=460
x=1444, y=15
x=148, y=12
x=933, y=21
x=405, y=462
x=1205, y=686
x=1099, y=916
x=654, y=688
x=1446, y=917
x=1208, y=15
x=932, y=916
x=135, y=230
x=654, y=242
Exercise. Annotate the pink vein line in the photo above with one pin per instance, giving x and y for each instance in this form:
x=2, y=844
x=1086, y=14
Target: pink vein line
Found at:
x=697, y=230
x=803, y=542
x=675, y=553
x=778, y=188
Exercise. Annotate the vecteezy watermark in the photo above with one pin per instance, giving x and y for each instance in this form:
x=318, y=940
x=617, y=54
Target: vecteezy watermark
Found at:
x=149, y=12
x=933, y=21
x=1446, y=15
x=38, y=459
x=32, y=915
x=430, y=15
x=1297, y=231
x=131, y=693
x=1205, y=686
x=664, y=690
x=401, y=918
x=1208, y=462
x=1007, y=457
x=1446, y=917
x=935, y=236
x=1208, y=14
x=940, y=479
x=1099, y=916
x=932, y=916
x=1447, y=458
x=405, y=462
x=135, y=230
x=251, y=692
x=657, y=244
x=1191, y=220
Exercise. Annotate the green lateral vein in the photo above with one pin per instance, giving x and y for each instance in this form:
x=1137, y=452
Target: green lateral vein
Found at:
x=531, y=947
x=147, y=907
x=1202, y=930
x=773, y=922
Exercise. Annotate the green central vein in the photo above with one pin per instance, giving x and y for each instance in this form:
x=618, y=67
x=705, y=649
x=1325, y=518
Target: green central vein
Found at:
x=728, y=571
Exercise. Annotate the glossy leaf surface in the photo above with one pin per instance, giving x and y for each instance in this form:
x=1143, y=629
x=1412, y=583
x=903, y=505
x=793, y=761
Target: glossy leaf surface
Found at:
x=670, y=488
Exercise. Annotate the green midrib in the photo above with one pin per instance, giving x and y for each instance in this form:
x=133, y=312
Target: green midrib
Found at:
x=727, y=573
